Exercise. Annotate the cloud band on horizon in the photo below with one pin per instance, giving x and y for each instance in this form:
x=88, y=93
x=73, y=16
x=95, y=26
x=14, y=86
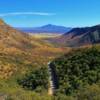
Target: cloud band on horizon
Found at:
x=27, y=13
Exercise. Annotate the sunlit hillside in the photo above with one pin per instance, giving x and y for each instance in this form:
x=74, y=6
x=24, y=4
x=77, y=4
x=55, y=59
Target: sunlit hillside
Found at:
x=21, y=53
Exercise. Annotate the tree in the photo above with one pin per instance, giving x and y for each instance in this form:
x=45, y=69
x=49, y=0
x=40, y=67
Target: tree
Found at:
x=37, y=78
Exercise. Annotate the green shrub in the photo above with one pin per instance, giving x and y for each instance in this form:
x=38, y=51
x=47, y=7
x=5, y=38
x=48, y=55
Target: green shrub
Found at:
x=35, y=80
x=78, y=69
x=89, y=93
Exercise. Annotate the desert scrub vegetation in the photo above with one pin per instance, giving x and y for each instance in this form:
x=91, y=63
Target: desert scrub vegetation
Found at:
x=78, y=69
x=89, y=92
x=6, y=70
x=35, y=80
x=78, y=73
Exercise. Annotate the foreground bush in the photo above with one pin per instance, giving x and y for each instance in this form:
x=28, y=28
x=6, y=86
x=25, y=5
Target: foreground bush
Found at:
x=89, y=93
x=36, y=80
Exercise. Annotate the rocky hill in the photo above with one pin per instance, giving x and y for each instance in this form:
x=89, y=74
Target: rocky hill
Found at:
x=80, y=37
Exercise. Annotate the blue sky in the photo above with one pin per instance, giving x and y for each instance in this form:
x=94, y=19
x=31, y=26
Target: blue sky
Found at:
x=70, y=13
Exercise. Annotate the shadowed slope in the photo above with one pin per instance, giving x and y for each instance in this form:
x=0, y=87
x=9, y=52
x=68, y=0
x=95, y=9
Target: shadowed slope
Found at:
x=79, y=37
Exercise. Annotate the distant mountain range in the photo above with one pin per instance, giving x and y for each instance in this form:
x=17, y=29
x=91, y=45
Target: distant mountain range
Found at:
x=45, y=29
x=72, y=37
x=79, y=36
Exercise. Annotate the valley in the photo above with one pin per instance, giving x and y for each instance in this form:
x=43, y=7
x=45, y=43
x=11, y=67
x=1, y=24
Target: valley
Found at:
x=49, y=49
x=24, y=58
x=20, y=54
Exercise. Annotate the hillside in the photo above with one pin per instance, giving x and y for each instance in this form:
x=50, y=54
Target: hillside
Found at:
x=79, y=37
x=10, y=37
x=77, y=74
x=77, y=71
x=20, y=54
x=18, y=46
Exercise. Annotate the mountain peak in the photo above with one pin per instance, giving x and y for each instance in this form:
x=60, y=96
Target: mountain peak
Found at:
x=48, y=25
x=48, y=28
x=2, y=22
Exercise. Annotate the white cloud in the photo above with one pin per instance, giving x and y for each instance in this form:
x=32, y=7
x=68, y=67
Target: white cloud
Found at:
x=27, y=13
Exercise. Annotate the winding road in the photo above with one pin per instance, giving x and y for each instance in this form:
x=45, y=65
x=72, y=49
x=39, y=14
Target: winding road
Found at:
x=52, y=79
